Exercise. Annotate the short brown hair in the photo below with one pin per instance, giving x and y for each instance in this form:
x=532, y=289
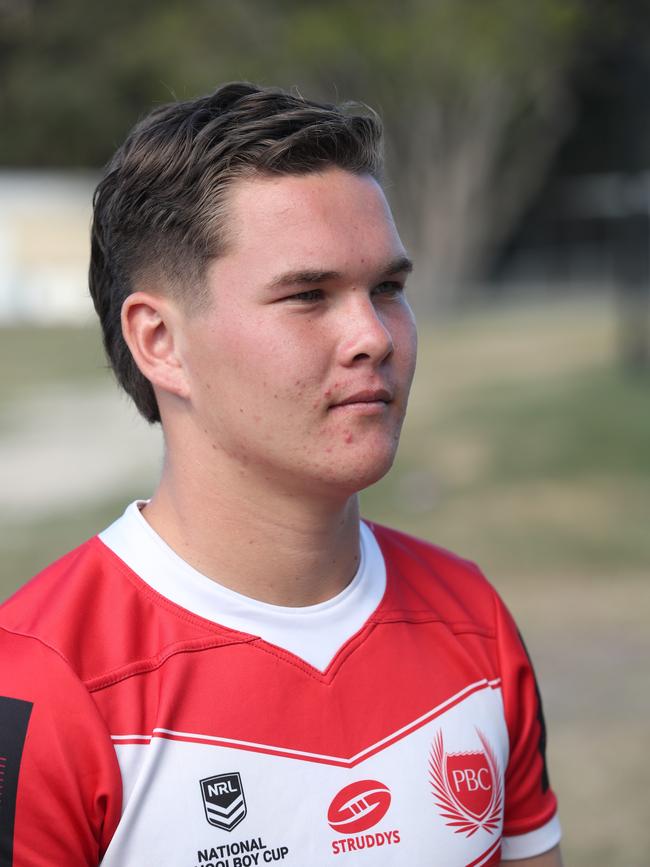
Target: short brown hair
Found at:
x=159, y=209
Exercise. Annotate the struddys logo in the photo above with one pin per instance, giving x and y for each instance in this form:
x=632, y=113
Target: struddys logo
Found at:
x=223, y=800
x=358, y=807
x=467, y=787
x=355, y=809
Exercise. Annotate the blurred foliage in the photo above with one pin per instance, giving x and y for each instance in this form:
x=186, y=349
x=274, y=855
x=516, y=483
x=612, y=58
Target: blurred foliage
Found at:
x=76, y=75
x=477, y=95
x=474, y=92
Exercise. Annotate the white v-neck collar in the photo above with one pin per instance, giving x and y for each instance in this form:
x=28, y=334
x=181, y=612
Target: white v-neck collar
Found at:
x=314, y=633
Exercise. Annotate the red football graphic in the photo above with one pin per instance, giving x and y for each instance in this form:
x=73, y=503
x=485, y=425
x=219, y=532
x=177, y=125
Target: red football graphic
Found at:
x=358, y=807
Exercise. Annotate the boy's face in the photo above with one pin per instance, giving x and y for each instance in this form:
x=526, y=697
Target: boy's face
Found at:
x=299, y=371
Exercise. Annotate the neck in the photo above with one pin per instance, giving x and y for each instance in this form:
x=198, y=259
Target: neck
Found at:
x=276, y=546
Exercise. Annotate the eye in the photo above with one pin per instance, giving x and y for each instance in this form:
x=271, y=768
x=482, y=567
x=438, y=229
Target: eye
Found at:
x=390, y=288
x=309, y=295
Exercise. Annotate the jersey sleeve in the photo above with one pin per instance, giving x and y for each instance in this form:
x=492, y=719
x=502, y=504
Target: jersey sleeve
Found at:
x=531, y=826
x=61, y=786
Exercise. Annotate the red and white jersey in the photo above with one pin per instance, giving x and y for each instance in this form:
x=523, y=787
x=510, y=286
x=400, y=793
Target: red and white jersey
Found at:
x=151, y=717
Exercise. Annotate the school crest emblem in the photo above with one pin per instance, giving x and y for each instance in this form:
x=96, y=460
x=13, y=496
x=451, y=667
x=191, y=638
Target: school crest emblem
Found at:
x=467, y=786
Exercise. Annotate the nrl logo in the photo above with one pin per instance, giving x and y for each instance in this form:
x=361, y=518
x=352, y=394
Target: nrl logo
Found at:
x=223, y=799
x=467, y=787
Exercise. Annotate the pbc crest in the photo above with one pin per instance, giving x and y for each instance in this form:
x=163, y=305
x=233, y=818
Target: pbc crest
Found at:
x=467, y=787
x=223, y=799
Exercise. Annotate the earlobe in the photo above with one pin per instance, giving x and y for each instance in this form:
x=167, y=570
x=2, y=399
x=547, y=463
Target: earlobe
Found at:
x=149, y=325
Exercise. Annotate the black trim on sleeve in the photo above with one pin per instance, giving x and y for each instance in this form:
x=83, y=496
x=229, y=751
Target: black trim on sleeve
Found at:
x=14, y=719
x=541, y=746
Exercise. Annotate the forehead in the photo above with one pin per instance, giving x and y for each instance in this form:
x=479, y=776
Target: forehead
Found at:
x=329, y=215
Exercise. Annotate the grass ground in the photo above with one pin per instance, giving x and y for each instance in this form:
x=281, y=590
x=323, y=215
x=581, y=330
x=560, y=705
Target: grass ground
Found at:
x=527, y=450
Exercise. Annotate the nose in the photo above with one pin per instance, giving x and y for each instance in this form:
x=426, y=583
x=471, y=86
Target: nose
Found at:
x=366, y=335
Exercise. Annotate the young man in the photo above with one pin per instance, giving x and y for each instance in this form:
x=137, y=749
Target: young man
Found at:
x=238, y=671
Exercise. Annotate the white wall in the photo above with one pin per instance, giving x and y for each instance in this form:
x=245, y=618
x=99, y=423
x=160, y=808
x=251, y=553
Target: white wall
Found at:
x=44, y=246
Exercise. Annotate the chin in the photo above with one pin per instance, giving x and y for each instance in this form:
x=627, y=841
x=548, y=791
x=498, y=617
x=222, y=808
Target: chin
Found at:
x=353, y=479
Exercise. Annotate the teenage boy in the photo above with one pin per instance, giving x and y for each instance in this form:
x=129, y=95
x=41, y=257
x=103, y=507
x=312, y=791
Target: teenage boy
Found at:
x=239, y=671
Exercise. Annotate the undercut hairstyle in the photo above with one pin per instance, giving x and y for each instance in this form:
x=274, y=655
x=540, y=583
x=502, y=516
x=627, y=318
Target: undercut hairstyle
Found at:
x=160, y=211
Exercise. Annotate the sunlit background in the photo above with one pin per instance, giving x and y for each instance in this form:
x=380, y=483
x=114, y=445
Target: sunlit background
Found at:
x=518, y=164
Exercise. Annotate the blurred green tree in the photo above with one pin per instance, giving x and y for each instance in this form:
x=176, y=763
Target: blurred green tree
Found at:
x=476, y=97
x=475, y=93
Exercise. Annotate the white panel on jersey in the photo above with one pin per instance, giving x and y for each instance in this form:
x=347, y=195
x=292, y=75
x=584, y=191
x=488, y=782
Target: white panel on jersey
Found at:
x=289, y=800
x=314, y=633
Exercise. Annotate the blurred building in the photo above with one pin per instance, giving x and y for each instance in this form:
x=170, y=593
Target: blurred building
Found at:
x=586, y=231
x=589, y=224
x=44, y=246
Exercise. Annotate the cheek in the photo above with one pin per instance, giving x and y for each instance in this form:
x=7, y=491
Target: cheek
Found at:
x=414, y=347
x=405, y=340
x=264, y=371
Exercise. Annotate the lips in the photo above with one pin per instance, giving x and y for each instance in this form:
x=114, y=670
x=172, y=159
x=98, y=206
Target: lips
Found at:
x=369, y=395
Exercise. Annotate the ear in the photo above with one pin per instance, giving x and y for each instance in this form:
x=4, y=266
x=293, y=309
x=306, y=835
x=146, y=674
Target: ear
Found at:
x=150, y=325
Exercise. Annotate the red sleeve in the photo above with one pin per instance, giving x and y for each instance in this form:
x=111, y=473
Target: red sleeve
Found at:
x=529, y=800
x=62, y=791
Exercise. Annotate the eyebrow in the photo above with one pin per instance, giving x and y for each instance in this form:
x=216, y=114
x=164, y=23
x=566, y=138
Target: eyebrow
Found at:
x=400, y=265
